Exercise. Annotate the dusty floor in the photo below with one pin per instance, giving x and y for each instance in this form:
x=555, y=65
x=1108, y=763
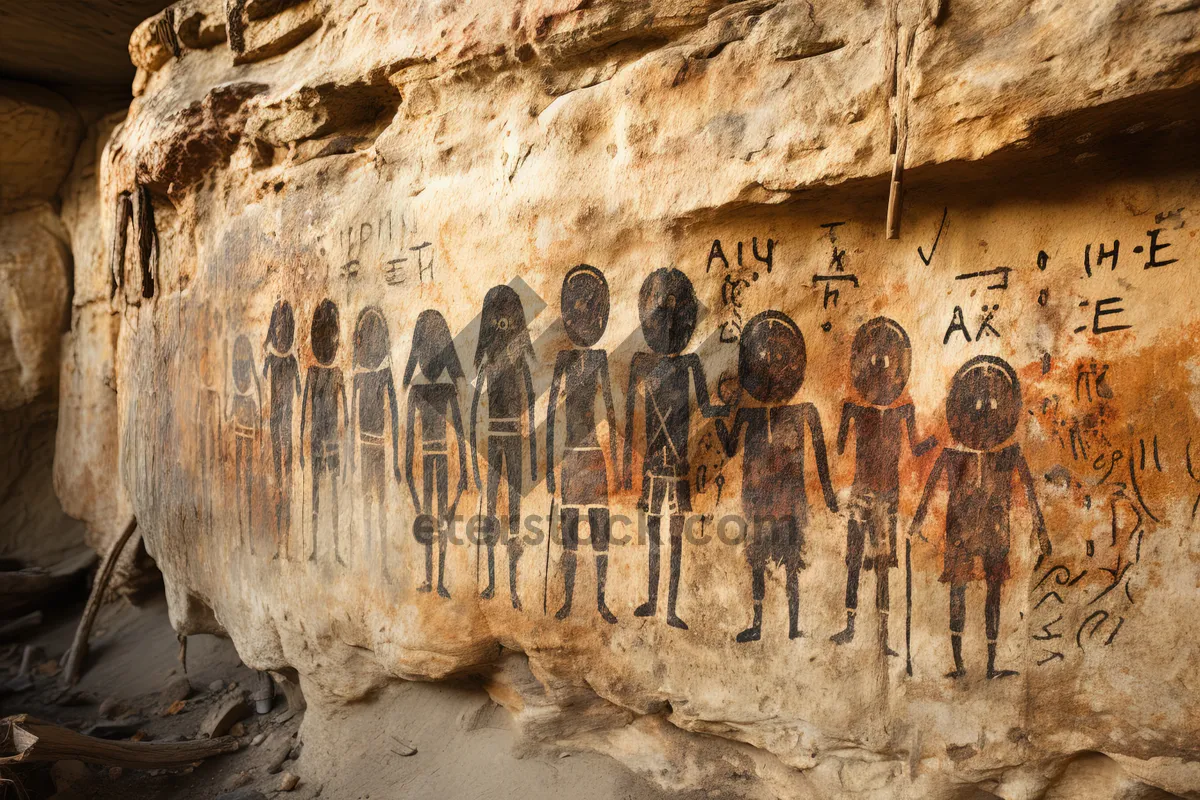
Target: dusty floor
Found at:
x=463, y=741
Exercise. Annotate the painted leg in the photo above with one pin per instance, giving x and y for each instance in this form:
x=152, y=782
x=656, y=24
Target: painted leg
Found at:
x=316, y=506
x=428, y=584
x=793, y=595
x=992, y=621
x=854, y=553
x=758, y=588
x=883, y=603
x=601, y=582
x=958, y=618
x=676, y=568
x=650, y=607
x=568, y=565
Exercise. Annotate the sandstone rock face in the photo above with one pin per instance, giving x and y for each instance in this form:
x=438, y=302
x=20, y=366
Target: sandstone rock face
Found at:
x=40, y=131
x=349, y=253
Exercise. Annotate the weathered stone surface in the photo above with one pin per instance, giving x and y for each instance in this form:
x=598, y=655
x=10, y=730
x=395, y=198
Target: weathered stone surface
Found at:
x=398, y=161
x=86, y=473
x=40, y=131
x=34, y=262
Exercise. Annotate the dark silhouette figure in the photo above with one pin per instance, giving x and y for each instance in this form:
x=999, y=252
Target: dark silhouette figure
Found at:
x=982, y=409
x=282, y=370
x=880, y=359
x=502, y=362
x=372, y=406
x=429, y=404
x=771, y=365
x=323, y=386
x=668, y=309
x=244, y=411
x=579, y=373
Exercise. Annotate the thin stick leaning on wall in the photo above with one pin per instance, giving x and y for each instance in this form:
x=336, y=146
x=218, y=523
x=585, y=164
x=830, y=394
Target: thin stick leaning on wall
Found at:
x=79, y=647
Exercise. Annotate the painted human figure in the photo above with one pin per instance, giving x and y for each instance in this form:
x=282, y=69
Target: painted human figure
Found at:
x=372, y=407
x=209, y=414
x=667, y=308
x=579, y=374
x=282, y=372
x=323, y=387
x=982, y=410
x=434, y=404
x=880, y=360
x=771, y=365
x=243, y=410
x=502, y=362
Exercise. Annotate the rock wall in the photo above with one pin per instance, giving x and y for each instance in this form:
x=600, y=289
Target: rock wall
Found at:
x=394, y=284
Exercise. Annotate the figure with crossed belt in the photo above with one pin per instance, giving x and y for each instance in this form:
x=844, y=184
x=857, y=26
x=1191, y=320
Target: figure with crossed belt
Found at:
x=502, y=362
x=583, y=372
x=429, y=403
x=771, y=364
x=880, y=360
x=372, y=406
x=668, y=309
x=323, y=384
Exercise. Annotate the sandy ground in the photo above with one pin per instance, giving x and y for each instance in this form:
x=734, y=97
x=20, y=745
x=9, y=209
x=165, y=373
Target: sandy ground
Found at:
x=463, y=741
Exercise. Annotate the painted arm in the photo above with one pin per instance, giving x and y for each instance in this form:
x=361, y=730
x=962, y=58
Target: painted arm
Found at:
x=609, y=409
x=391, y=393
x=479, y=379
x=456, y=417
x=925, y=445
x=530, y=400
x=630, y=408
x=818, y=441
x=409, y=433
x=1035, y=510
x=296, y=374
x=707, y=408
x=304, y=413
x=729, y=438
x=927, y=495
x=844, y=429
x=550, y=409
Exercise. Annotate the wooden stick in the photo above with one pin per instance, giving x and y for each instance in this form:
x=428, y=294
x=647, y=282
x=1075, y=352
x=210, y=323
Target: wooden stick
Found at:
x=25, y=739
x=896, y=190
x=79, y=647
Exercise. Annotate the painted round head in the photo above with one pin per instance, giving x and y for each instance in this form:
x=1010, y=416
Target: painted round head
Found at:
x=772, y=358
x=503, y=333
x=371, y=344
x=984, y=403
x=325, y=332
x=584, y=304
x=668, y=310
x=432, y=349
x=243, y=364
x=880, y=360
x=282, y=332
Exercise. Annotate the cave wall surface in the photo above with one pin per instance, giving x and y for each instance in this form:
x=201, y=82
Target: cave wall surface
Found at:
x=316, y=243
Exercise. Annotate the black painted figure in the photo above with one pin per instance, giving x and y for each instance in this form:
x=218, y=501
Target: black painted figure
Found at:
x=429, y=403
x=982, y=409
x=323, y=387
x=880, y=359
x=771, y=365
x=372, y=407
x=580, y=373
x=282, y=372
x=668, y=309
x=502, y=362
x=243, y=411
